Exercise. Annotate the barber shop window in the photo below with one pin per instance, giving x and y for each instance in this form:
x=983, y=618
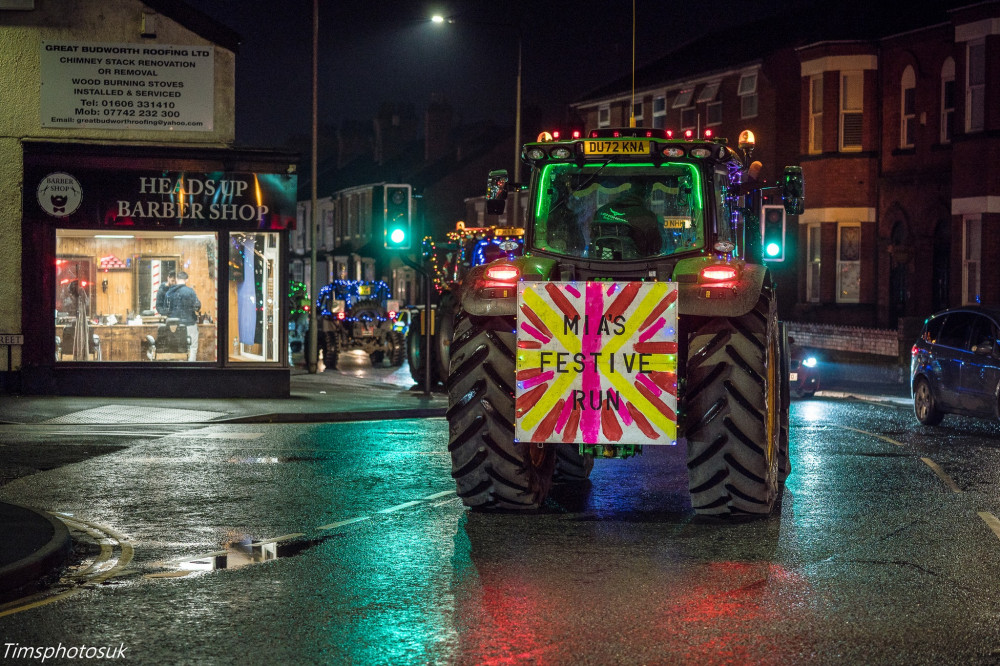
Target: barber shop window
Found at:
x=137, y=296
x=254, y=326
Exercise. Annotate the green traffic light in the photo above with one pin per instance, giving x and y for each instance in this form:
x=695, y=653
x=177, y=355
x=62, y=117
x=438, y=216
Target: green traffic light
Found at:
x=773, y=249
x=397, y=236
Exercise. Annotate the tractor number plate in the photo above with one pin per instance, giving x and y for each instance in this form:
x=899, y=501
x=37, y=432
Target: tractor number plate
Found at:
x=616, y=147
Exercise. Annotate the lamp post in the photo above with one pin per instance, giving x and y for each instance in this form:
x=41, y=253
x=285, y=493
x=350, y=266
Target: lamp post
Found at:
x=312, y=357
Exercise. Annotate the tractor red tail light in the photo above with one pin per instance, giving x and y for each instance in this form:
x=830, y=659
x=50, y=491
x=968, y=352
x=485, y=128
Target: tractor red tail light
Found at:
x=341, y=316
x=503, y=273
x=718, y=273
x=391, y=315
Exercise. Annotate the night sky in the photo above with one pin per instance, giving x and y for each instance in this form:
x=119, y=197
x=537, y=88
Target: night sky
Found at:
x=387, y=51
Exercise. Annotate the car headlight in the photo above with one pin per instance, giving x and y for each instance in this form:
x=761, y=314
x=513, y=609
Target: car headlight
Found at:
x=809, y=362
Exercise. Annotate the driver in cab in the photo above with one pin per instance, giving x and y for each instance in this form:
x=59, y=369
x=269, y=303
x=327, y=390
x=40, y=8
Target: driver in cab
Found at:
x=629, y=212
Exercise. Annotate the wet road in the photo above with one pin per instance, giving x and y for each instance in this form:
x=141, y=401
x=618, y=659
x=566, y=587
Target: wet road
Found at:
x=345, y=543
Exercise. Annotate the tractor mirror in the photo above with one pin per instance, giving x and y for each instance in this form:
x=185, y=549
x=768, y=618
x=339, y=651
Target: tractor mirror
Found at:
x=793, y=190
x=496, y=191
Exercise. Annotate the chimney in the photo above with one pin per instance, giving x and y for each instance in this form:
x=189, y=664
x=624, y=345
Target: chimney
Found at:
x=395, y=126
x=437, y=128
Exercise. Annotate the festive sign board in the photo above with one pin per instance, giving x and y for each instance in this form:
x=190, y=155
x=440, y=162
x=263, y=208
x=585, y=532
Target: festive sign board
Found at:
x=597, y=362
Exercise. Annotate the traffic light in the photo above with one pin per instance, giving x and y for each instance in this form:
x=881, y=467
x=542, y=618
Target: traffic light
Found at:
x=772, y=231
x=398, y=218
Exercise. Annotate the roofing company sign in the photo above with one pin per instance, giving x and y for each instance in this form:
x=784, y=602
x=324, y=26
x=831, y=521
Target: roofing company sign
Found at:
x=597, y=362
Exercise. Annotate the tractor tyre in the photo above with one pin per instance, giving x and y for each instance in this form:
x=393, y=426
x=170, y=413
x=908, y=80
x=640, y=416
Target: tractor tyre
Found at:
x=491, y=470
x=734, y=410
x=784, y=457
x=330, y=346
x=397, y=349
x=444, y=331
x=415, y=355
x=571, y=465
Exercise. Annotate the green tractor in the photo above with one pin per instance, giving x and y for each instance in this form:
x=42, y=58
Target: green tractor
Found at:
x=642, y=313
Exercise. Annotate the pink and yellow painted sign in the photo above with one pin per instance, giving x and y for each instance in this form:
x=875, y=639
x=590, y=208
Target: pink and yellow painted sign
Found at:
x=597, y=362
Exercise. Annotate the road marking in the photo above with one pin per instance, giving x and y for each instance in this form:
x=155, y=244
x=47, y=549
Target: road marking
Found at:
x=341, y=523
x=992, y=521
x=108, y=535
x=943, y=476
x=391, y=509
x=882, y=437
x=404, y=505
x=283, y=537
x=443, y=493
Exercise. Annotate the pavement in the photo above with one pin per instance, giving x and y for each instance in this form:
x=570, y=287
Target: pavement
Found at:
x=41, y=543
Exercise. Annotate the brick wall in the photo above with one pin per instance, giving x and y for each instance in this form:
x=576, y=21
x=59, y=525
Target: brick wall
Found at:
x=875, y=341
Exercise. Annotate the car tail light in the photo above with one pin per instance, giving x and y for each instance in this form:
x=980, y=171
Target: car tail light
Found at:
x=718, y=273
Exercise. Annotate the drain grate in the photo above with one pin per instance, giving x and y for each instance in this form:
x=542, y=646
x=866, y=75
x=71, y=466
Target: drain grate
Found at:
x=133, y=414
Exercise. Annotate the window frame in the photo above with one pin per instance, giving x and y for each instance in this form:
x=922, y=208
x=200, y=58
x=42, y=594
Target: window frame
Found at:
x=814, y=262
x=844, y=296
x=659, y=115
x=947, y=116
x=907, y=112
x=748, y=95
x=974, y=103
x=972, y=256
x=846, y=78
x=815, y=116
x=604, y=115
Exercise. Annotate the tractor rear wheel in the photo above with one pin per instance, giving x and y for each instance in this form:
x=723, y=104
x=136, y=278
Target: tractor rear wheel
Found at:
x=734, y=405
x=491, y=470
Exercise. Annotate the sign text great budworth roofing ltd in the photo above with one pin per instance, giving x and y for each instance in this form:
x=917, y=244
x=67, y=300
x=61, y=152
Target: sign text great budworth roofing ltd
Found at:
x=597, y=362
x=127, y=86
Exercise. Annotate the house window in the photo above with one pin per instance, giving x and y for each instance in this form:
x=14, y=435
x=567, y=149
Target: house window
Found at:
x=660, y=112
x=816, y=114
x=683, y=99
x=713, y=109
x=947, y=99
x=851, y=110
x=975, y=86
x=604, y=116
x=849, y=263
x=908, y=109
x=688, y=118
x=747, y=92
x=637, y=113
x=971, y=257
x=813, y=253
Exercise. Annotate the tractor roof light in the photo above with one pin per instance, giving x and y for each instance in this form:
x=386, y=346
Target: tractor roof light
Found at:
x=747, y=140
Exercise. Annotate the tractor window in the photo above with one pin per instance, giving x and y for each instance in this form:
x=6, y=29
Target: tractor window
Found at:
x=619, y=212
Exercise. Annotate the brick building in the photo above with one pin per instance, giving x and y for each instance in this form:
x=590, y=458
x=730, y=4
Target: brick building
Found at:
x=889, y=114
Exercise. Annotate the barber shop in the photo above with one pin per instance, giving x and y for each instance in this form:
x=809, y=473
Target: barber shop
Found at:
x=155, y=271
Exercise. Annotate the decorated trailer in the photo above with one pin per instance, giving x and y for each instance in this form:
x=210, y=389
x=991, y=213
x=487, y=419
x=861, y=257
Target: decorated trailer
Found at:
x=641, y=314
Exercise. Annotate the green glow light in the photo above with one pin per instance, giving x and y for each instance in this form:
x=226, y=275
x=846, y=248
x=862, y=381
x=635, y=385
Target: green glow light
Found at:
x=397, y=236
x=773, y=249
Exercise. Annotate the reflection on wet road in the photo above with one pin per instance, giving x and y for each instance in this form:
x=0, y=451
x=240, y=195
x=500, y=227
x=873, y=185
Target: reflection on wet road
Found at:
x=345, y=543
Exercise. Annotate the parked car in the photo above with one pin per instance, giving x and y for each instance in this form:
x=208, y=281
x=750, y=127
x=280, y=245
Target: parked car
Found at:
x=955, y=365
x=803, y=371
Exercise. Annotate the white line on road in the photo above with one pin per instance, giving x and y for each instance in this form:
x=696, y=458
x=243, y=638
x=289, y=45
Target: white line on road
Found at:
x=942, y=475
x=443, y=493
x=992, y=521
x=404, y=505
x=882, y=437
x=341, y=523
